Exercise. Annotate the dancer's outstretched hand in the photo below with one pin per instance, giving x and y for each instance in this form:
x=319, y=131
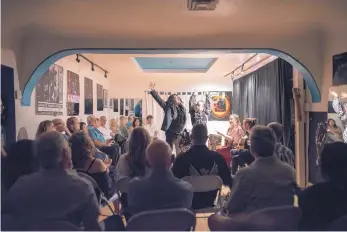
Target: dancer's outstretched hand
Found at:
x=151, y=86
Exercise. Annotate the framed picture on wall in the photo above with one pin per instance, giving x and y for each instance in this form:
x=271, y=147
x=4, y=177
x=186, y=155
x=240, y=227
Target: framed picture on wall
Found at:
x=340, y=69
x=105, y=97
x=121, y=106
x=88, y=96
x=111, y=103
x=99, y=98
x=73, y=93
x=115, y=105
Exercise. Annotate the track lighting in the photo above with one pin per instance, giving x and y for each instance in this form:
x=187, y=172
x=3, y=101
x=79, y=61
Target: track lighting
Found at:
x=77, y=59
x=78, y=56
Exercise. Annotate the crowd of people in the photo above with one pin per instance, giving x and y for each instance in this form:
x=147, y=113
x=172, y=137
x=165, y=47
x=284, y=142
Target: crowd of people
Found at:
x=64, y=173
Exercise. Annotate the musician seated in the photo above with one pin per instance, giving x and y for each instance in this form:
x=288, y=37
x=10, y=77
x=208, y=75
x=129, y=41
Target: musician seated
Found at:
x=242, y=156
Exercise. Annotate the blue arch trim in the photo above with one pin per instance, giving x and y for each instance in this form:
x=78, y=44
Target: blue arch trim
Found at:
x=44, y=65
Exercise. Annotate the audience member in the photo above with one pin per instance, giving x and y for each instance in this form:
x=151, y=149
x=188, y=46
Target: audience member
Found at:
x=73, y=125
x=133, y=163
x=83, y=127
x=130, y=121
x=82, y=149
x=234, y=133
x=61, y=128
x=123, y=127
x=99, y=140
x=53, y=193
x=325, y=202
x=267, y=182
x=136, y=124
x=44, y=126
x=199, y=161
x=151, y=127
x=103, y=128
x=20, y=161
x=160, y=189
x=282, y=152
x=114, y=127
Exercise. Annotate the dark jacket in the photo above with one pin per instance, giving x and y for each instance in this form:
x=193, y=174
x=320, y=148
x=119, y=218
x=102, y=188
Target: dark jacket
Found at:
x=196, y=116
x=174, y=115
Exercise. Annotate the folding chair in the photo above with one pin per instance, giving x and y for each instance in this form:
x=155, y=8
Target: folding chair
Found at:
x=205, y=184
x=162, y=220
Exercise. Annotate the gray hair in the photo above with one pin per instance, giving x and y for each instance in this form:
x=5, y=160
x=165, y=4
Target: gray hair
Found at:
x=49, y=149
x=90, y=119
x=263, y=141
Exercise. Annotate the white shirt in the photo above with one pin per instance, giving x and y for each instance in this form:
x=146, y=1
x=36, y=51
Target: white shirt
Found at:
x=151, y=129
x=106, y=132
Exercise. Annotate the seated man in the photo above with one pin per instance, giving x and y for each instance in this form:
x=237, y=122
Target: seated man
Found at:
x=53, y=193
x=199, y=161
x=267, y=182
x=282, y=152
x=61, y=128
x=325, y=202
x=160, y=189
x=99, y=140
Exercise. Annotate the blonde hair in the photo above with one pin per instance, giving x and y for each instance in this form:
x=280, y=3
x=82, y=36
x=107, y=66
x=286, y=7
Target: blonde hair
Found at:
x=113, y=124
x=236, y=117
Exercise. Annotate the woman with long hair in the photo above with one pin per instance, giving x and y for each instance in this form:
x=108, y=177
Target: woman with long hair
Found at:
x=82, y=150
x=234, y=133
x=44, y=126
x=133, y=163
x=334, y=129
x=136, y=124
x=114, y=126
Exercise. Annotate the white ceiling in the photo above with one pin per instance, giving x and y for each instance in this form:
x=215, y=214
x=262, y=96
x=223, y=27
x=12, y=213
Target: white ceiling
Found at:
x=118, y=64
x=109, y=18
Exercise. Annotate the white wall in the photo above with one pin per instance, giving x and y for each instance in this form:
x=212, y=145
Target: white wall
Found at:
x=26, y=117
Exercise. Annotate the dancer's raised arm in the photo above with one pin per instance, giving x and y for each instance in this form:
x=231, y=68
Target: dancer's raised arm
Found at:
x=156, y=96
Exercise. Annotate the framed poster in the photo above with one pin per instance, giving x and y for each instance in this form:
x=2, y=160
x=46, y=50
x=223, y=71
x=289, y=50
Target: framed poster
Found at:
x=88, y=96
x=340, y=69
x=121, y=106
x=115, y=105
x=73, y=93
x=99, y=98
x=220, y=106
x=105, y=97
x=111, y=103
x=49, y=92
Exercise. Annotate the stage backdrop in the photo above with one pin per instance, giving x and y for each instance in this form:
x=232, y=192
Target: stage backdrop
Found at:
x=49, y=92
x=73, y=93
x=88, y=96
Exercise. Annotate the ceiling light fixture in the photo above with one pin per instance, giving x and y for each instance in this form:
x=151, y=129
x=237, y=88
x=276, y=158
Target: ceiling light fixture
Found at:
x=93, y=67
x=93, y=64
x=105, y=74
x=77, y=59
x=241, y=67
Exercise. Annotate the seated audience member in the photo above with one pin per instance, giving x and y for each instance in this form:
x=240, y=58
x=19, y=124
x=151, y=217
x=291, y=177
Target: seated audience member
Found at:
x=114, y=127
x=44, y=126
x=242, y=156
x=61, y=128
x=99, y=140
x=133, y=163
x=151, y=127
x=73, y=125
x=136, y=124
x=267, y=182
x=123, y=127
x=325, y=202
x=200, y=161
x=83, y=127
x=130, y=121
x=53, y=193
x=234, y=133
x=160, y=189
x=83, y=159
x=20, y=161
x=103, y=128
x=282, y=152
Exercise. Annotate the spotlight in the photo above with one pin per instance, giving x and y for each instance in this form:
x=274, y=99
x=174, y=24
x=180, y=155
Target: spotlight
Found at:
x=77, y=59
x=242, y=69
x=105, y=74
x=93, y=67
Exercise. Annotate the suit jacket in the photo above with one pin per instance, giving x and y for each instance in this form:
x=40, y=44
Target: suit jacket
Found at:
x=158, y=190
x=267, y=182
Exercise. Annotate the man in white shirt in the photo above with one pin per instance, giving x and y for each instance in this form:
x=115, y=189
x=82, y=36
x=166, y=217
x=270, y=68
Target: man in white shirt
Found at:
x=103, y=129
x=151, y=128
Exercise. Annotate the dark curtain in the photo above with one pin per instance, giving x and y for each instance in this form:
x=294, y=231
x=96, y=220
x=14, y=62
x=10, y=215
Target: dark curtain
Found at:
x=266, y=94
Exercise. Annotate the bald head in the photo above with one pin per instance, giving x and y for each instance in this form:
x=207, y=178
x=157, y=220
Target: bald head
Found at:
x=159, y=155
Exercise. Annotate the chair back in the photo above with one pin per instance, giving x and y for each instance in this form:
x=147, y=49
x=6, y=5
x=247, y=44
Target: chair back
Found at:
x=204, y=183
x=123, y=184
x=283, y=218
x=339, y=224
x=162, y=220
x=50, y=225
